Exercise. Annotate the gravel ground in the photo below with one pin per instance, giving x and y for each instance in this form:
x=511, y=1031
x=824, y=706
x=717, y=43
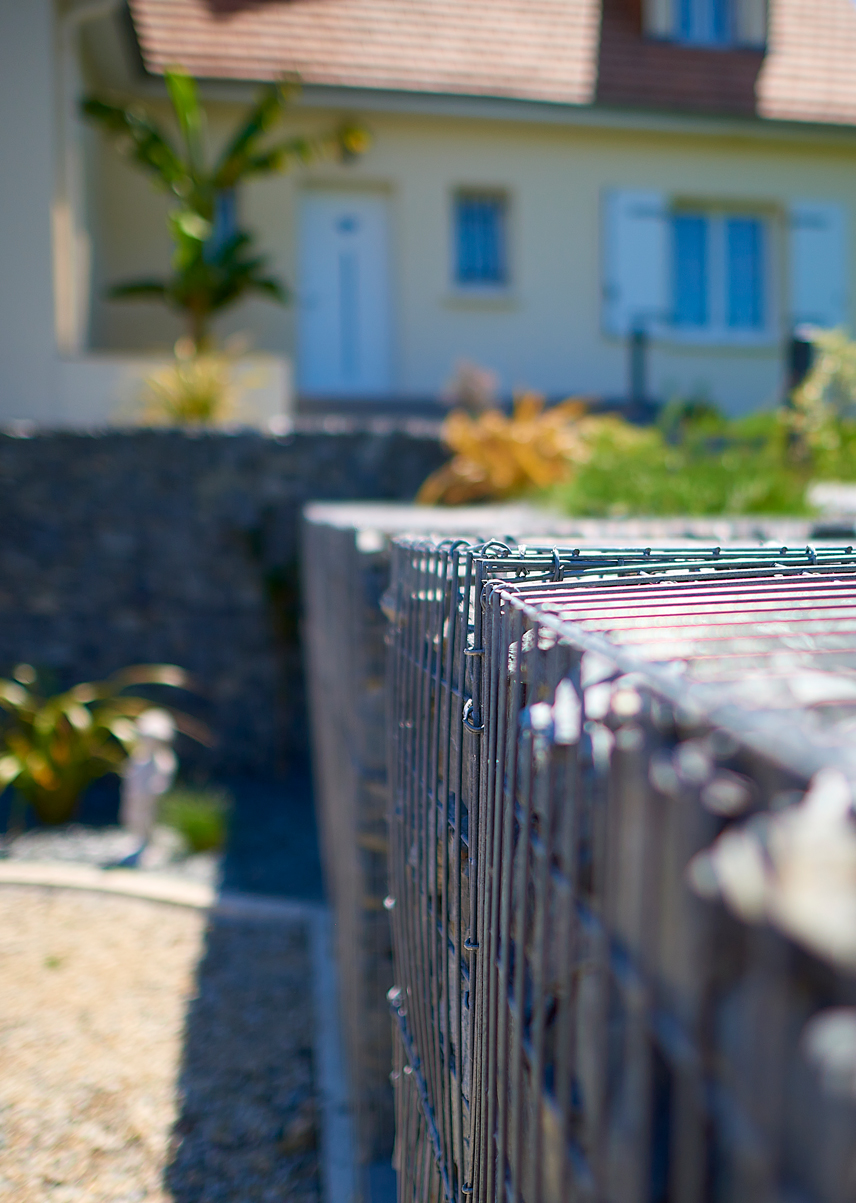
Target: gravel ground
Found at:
x=150, y=1053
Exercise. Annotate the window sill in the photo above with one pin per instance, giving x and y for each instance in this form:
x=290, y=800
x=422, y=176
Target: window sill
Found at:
x=501, y=299
x=718, y=340
x=702, y=44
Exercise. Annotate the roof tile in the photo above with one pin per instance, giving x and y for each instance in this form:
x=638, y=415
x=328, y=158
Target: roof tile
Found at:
x=564, y=51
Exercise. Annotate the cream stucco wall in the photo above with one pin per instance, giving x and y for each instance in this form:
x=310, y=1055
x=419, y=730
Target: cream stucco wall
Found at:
x=547, y=333
x=28, y=360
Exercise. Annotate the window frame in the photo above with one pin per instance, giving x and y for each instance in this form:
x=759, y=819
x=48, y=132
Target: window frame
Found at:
x=716, y=332
x=480, y=288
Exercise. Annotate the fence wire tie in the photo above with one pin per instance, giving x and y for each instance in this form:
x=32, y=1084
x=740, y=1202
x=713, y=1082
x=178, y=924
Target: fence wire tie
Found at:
x=473, y=651
x=467, y=721
x=471, y=945
x=494, y=546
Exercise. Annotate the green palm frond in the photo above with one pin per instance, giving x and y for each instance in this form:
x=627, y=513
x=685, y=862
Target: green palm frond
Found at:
x=206, y=276
x=142, y=289
x=267, y=111
x=191, y=119
x=141, y=138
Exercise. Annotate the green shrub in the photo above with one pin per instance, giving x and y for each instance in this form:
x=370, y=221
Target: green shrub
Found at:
x=201, y=816
x=821, y=416
x=690, y=463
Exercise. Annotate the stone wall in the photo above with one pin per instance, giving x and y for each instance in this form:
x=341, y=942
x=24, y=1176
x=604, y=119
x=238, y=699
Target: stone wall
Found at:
x=163, y=546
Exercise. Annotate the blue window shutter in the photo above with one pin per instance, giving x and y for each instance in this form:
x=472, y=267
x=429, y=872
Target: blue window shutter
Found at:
x=635, y=261
x=686, y=20
x=746, y=272
x=480, y=236
x=690, y=269
x=720, y=23
x=818, y=264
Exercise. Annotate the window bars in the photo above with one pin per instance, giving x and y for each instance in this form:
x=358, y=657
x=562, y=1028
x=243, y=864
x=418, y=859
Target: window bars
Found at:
x=587, y=750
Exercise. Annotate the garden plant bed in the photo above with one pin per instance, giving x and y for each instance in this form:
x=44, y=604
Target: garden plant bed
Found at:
x=153, y=1052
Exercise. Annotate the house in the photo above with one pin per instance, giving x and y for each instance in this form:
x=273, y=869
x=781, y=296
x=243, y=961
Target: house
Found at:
x=551, y=183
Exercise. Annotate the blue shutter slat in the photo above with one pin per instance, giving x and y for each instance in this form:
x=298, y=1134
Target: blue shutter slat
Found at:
x=690, y=268
x=719, y=20
x=744, y=249
x=479, y=241
x=685, y=19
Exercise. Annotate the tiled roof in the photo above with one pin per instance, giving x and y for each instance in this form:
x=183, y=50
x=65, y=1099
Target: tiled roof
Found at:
x=552, y=50
x=538, y=49
x=811, y=74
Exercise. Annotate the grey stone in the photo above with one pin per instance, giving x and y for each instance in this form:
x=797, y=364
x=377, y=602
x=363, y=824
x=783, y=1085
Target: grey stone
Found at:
x=123, y=547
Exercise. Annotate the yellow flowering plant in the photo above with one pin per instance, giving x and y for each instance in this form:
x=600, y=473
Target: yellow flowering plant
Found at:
x=499, y=456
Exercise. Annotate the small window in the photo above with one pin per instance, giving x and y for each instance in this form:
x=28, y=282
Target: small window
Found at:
x=714, y=23
x=719, y=274
x=481, y=253
x=705, y=22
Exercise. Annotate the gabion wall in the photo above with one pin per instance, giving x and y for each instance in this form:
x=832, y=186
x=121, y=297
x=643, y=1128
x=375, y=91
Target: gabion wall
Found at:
x=345, y=573
x=120, y=547
x=623, y=858
x=346, y=566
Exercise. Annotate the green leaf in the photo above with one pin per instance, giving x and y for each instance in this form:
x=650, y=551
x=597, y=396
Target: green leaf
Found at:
x=293, y=150
x=148, y=674
x=272, y=288
x=147, y=144
x=191, y=120
x=267, y=111
x=10, y=768
x=78, y=716
x=191, y=224
x=13, y=693
x=139, y=288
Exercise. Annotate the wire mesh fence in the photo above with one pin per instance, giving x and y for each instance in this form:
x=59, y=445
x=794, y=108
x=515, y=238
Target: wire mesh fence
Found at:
x=346, y=564
x=591, y=750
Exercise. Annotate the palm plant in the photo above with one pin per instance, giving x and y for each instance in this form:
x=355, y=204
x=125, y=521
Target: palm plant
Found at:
x=52, y=748
x=213, y=263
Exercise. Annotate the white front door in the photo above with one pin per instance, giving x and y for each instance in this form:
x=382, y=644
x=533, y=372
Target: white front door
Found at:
x=344, y=315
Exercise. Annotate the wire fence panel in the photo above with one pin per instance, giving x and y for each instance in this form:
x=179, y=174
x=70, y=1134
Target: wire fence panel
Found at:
x=589, y=752
x=345, y=563
x=343, y=577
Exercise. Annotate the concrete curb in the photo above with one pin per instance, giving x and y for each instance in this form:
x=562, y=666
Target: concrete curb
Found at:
x=156, y=887
x=338, y=1171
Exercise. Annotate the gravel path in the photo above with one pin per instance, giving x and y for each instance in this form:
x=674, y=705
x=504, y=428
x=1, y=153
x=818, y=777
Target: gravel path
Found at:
x=149, y=1053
